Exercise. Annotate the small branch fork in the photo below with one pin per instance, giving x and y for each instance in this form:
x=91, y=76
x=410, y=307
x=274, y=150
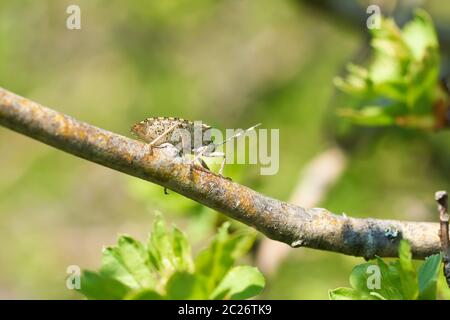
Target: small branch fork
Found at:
x=442, y=201
x=315, y=228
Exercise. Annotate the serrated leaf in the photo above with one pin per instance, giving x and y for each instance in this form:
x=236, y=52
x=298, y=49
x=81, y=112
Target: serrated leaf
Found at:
x=404, y=70
x=164, y=270
x=160, y=246
x=428, y=276
x=128, y=263
x=407, y=272
x=241, y=282
x=215, y=261
x=97, y=286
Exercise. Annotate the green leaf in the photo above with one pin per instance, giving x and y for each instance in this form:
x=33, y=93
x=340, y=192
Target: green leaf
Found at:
x=398, y=279
x=182, y=251
x=390, y=288
x=423, y=78
x=359, y=281
x=144, y=294
x=428, y=276
x=443, y=288
x=370, y=115
x=215, y=261
x=344, y=294
x=168, y=251
x=241, y=282
x=97, y=286
x=186, y=286
x=419, y=34
x=160, y=246
x=403, y=71
x=363, y=279
x=388, y=41
x=410, y=287
x=128, y=262
x=165, y=270
x=377, y=295
x=358, y=277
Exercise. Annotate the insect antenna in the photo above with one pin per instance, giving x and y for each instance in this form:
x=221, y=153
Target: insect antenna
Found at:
x=241, y=133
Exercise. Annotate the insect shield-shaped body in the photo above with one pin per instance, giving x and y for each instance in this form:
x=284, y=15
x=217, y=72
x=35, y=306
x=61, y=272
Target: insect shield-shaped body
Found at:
x=185, y=135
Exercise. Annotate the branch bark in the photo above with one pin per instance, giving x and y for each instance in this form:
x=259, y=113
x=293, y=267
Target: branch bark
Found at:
x=314, y=228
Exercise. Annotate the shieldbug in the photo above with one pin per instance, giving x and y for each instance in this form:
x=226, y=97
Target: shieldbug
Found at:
x=187, y=136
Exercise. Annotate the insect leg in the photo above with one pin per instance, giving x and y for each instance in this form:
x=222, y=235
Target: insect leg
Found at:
x=221, y=155
x=240, y=133
x=199, y=152
x=222, y=166
x=203, y=163
x=163, y=134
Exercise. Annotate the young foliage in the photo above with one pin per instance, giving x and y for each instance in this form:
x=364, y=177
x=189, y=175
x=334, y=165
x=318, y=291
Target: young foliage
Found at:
x=164, y=269
x=400, y=85
x=397, y=280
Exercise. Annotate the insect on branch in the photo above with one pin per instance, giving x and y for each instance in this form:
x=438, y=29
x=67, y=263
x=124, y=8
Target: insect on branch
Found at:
x=296, y=226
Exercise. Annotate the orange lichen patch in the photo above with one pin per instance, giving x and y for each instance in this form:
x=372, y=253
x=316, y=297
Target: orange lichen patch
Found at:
x=63, y=127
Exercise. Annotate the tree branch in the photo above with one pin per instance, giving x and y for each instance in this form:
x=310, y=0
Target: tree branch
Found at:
x=314, y=228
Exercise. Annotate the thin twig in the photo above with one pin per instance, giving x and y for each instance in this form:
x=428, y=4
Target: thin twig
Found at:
x=314, y=228
x=442, y=201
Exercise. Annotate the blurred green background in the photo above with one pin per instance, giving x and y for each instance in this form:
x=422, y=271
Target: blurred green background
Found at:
x=230, y=63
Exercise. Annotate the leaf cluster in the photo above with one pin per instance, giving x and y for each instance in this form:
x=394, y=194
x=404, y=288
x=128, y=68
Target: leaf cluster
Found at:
x=398, y=280
x=400, y=85
x=163, y=268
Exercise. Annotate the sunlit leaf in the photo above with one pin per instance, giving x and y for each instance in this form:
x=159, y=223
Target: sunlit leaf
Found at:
x=215, y=261
x=186, y=286
x=241, y=282
x=428, y=277
x=403, y=71
x=344, y=294
x=408, y=277
x=128, y=262
x=96, y=286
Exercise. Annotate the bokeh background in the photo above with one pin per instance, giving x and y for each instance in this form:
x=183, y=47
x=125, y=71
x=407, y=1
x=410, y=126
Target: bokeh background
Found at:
x=230, y=63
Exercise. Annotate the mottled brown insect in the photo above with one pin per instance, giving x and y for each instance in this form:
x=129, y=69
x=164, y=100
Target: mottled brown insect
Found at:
x=160, y=130
x=187, y=136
